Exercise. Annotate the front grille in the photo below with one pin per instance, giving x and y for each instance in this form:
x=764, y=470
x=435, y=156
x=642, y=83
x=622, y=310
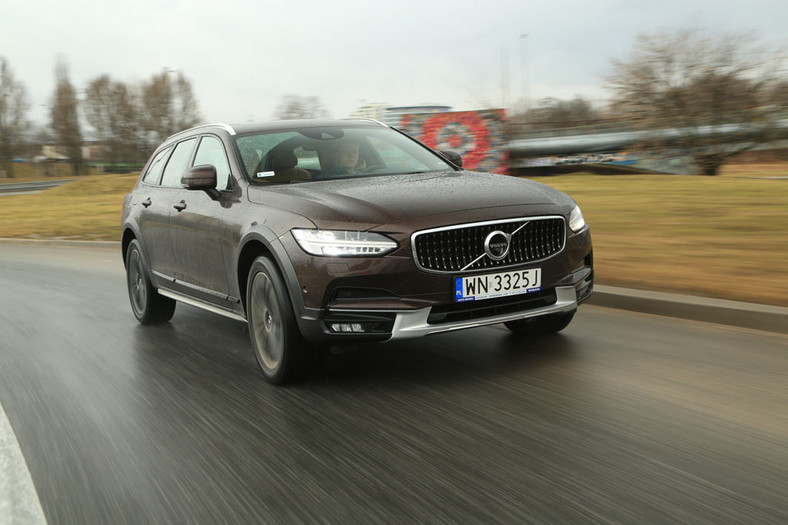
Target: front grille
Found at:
x=470, y=310
x=458, y=248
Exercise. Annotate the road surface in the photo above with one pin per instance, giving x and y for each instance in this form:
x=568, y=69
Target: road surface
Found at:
x=624, y=418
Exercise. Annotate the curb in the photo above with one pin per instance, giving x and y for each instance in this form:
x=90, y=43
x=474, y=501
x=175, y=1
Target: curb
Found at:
x=32, y=186
x=62, y=242
x=734, y=313
x=720, y=311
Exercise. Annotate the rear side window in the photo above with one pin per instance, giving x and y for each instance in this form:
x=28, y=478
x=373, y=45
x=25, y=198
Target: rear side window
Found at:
x=157, y=164
x=211, y=151
x=179, y=161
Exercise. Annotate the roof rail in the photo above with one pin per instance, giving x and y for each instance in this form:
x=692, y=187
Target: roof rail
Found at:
x=229, y=129
x=366, y=119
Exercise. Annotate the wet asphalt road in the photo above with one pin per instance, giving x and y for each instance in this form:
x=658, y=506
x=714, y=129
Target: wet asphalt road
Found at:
x=624, y=418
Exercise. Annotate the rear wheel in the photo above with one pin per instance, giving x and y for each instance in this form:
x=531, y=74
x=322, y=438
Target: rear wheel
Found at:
x=542, y=325
x=281, y=351
x=148, y=305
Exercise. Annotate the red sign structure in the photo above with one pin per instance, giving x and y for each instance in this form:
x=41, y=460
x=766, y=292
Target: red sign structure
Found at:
x=476, y=135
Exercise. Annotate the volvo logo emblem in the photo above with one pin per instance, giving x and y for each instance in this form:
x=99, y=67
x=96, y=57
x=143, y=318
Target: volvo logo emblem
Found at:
x=497, y=244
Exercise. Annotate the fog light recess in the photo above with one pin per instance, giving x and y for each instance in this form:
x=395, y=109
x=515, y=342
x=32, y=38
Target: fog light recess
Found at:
x=349, y=327
x=361, y=323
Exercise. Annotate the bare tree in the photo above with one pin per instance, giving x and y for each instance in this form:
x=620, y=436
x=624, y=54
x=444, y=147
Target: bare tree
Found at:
x=779, y=95
x=97, y=107
x=296, y=107
x=553, y=113
x=710, y=95
x=111, y=108
x=168, y=106
x=127, y=136
x=13, y=108
x=65, y=117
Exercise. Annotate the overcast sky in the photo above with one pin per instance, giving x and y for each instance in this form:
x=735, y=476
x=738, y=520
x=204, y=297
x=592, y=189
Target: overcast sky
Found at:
x=243, y=56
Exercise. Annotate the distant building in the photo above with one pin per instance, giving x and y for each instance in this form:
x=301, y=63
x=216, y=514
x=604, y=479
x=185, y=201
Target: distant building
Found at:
x=49, y=152
x=479, y=136
x=375, y=111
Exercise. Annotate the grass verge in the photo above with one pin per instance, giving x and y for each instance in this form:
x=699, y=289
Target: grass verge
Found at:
x=88, y=208
x=719, y=236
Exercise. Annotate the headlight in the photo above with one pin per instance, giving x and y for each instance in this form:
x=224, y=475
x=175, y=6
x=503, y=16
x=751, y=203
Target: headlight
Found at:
x=335, y=243
x=576, y=220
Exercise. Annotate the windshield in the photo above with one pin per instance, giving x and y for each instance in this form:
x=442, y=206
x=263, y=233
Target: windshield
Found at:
x=320, y=153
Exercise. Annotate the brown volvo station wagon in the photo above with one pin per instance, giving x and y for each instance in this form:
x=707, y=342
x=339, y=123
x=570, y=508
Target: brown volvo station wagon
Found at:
x=318, y=233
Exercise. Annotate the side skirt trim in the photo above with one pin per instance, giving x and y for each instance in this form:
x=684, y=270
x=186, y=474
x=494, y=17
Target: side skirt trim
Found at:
x=199, y=304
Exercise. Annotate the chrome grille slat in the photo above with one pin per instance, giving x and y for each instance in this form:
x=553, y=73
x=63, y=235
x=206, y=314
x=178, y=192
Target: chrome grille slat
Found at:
x=450, y=249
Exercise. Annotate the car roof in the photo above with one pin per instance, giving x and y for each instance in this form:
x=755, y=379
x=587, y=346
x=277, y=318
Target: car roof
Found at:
x=277, y=125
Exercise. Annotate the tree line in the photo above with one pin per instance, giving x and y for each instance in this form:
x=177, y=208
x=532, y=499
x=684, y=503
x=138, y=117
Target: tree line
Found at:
x=710, y=96
x=689, y=82
x=128, y=120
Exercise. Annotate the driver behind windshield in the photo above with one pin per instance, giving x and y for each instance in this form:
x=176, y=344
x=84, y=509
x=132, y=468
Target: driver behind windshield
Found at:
x=343, y=159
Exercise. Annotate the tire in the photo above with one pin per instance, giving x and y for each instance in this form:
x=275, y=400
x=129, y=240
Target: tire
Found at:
x=148, y=305
x=542, y=325
x=282, y=353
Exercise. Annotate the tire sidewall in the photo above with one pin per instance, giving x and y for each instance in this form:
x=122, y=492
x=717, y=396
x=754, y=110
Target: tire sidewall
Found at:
x=290, y=334
x=143, y=315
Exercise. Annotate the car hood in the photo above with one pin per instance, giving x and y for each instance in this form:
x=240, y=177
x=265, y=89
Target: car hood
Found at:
x=367, y=202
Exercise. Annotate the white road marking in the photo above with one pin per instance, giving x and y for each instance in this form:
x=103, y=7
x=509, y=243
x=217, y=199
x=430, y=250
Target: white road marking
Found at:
x=19, y=504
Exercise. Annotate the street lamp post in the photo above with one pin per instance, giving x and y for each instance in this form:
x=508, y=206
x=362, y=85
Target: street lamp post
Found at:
x=524, y=80
x=504, y=78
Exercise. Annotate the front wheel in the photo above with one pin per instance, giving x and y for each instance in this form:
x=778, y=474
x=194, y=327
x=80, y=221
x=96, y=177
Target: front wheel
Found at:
x=148, y=305
x=280, y=349
x=542, y=325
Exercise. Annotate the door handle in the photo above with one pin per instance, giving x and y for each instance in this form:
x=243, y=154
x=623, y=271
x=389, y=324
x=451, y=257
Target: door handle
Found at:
x=147, y=202
x=180, y=206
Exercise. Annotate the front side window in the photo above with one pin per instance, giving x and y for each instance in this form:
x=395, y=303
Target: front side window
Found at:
x=157, y=164
x=179, y=161
x=330, y=152
x=211, y=151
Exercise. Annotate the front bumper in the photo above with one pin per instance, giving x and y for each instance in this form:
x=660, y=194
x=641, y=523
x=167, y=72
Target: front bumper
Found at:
x=419, y=303
x=416, y=324
x=394, y=325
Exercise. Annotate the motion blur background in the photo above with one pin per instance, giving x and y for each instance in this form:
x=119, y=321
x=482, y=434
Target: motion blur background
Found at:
x=103, y=84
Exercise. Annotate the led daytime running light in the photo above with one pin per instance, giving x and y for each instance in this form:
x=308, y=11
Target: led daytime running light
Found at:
x=576, y=220
x=337, y=243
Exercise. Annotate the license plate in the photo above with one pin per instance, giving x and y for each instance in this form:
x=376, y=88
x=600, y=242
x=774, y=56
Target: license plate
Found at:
x=489, y=286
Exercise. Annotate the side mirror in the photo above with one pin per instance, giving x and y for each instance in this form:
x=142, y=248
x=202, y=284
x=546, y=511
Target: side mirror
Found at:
x=201, y=178
x=452, y=156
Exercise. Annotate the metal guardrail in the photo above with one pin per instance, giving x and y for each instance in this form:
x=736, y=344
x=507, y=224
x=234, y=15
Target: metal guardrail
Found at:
x=31, y=186
x=562, y=142
x=526, y=131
